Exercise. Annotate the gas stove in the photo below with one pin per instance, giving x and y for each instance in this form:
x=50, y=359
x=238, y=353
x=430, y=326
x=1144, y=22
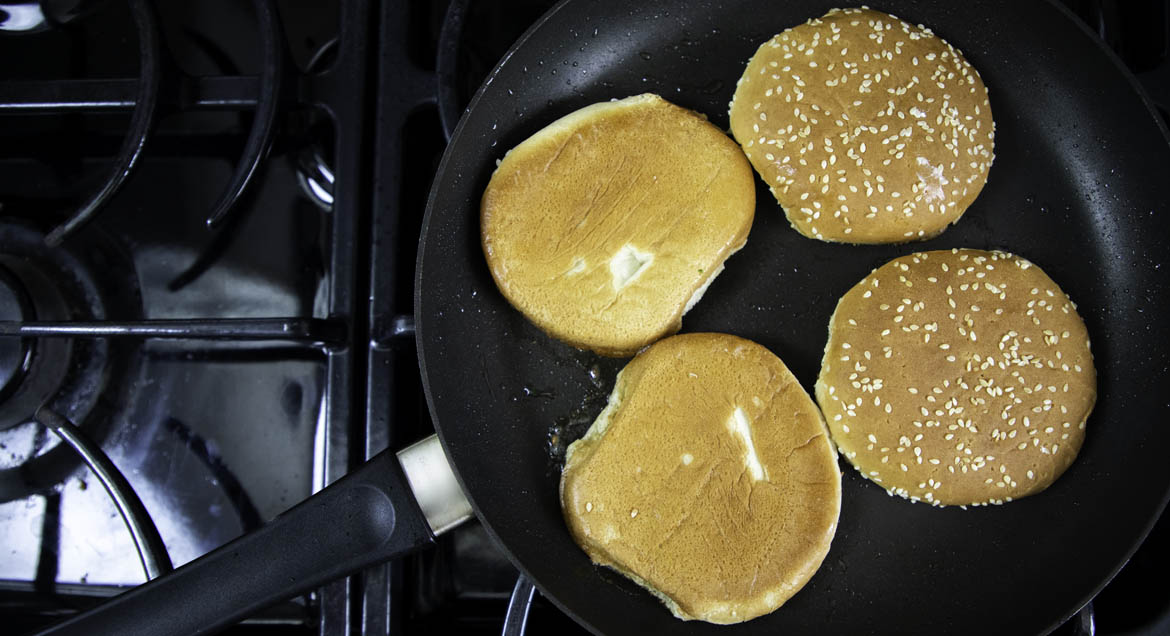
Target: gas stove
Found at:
x=208, y=221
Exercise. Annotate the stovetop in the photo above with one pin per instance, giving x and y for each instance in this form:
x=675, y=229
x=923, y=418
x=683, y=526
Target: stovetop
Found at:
x=237, y=405
x=265, y=340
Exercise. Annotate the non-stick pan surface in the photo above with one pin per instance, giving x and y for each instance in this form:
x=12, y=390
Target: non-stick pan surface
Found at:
x=1079, y=185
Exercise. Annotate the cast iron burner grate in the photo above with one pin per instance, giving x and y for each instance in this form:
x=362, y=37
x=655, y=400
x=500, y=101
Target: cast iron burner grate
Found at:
x=93, y=207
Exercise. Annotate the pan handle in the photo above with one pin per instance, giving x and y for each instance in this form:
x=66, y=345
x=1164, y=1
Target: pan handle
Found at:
x=367, y=517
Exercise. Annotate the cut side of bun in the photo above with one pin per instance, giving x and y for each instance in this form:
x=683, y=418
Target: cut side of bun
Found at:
x=605, y=226
x=709, y=479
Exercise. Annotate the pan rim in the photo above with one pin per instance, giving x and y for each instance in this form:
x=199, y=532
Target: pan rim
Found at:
x=1116, y=63
x=1152, y=111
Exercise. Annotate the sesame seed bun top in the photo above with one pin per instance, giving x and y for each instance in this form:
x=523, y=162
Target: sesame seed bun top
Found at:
x=867, y=129
x=958, y=377
x=709, y=479
x=604, y=227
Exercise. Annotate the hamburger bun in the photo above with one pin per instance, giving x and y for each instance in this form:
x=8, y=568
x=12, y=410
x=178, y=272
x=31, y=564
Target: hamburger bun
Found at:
x=866, y=129
x=709, y=479
x=958, y=377
x=607, y=225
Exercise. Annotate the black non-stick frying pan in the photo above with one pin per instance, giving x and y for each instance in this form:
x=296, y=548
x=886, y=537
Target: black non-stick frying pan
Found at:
x=1080, y=185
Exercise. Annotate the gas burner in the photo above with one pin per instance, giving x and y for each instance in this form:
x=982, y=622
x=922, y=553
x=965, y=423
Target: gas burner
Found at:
x=89, y=280
x=15, y=355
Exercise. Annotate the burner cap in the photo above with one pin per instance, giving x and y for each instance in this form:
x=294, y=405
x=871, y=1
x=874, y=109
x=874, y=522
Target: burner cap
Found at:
x=89, y=279
x=15, y=353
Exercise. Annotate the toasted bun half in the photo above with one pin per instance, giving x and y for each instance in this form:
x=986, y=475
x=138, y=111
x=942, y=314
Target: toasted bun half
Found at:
x=866, y=128
x=604, y=227
x=709, y=479
x=958, y=377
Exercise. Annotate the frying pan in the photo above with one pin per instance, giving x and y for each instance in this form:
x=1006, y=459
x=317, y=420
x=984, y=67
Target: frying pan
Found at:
x=1079, y=185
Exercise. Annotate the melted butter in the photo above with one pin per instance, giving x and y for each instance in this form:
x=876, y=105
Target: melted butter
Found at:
x=740, y=426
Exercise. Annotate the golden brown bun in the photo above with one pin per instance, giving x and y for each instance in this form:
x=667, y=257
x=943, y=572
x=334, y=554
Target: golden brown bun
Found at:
x=606, y=226
x=958, y=377
x=867, y=129
x=709, y=479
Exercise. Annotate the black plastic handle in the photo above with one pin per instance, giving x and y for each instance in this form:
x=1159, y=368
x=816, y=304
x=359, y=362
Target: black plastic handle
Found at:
x=366, y=517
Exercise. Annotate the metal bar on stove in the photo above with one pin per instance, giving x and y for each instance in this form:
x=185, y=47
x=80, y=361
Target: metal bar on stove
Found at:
x=313, y=330
x=151, y=549
x=95, y=95
x=399, y=87
x=343, y=93
x=141, y=122
x=402, y=327
x=446, y=61
x=264, y=122
x=516, y=620
x=1084, y=622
